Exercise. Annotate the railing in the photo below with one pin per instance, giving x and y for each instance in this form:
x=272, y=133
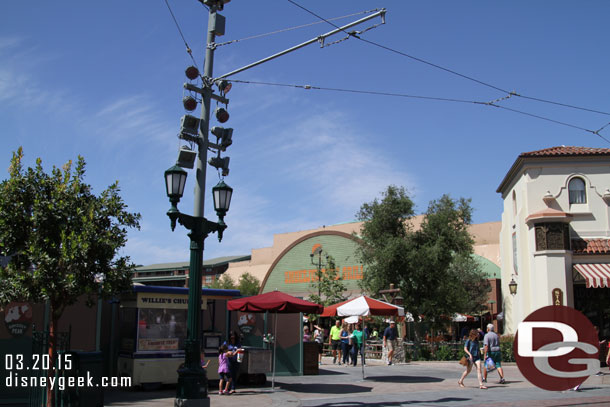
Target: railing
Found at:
x=40, y=346
x=407, y=351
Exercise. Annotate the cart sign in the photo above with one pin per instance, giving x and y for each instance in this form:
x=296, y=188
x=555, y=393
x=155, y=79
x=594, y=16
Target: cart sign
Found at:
x=17, y=317
x=158, y=344
x=167, y=301
x=246, y=321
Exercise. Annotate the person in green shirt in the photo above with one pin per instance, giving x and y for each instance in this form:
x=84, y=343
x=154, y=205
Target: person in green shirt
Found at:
x=334, y=340
x=358, y=338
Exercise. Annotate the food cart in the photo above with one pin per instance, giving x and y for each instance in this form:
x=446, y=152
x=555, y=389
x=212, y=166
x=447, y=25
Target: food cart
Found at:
x=153, y=323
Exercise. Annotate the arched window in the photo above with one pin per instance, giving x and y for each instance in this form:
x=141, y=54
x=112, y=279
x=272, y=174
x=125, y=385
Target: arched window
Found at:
x=576, y=188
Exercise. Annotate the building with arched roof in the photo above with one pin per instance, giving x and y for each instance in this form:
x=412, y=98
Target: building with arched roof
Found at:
x=291, y=264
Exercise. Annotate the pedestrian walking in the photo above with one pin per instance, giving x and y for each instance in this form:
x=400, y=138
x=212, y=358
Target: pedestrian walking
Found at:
x=223, y=369
x=491, y=348
x=334, y=340
x=318, y=337
x=233, y=345
x=358, y=345
x=306, y=334
x=390, y=336
x=473, y=352
x=345, y=345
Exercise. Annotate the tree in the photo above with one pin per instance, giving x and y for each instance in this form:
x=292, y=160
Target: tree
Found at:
x=225, y=282
x=433, y=266
x=330, y=286
x=63, y=241
x=248, y=284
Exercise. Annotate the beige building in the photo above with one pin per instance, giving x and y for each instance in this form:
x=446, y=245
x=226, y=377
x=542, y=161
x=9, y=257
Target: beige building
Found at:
x=289, y=266
x=555, y=239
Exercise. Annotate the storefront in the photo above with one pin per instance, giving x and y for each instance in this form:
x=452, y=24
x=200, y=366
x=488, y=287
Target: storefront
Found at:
x=555, y=238
x=153, y=323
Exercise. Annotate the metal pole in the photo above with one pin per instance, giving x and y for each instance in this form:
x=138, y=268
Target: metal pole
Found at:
x=192, y=379
x=274, y=350
x=320, y=38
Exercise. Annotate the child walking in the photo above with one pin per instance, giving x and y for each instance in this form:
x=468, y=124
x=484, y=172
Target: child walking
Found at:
x=223, y=369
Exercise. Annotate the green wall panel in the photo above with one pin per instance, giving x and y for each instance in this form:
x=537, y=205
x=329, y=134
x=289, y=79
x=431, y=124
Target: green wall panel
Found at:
x=294, y=273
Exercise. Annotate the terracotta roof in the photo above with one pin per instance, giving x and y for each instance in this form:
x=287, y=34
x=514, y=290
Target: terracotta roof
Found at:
x=552, y=152
x=566, y=151
x=591, y=246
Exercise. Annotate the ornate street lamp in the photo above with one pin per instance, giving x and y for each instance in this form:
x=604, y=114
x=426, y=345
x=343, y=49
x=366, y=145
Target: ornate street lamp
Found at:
x=222, y=199
x=175, y=179
x=192, y=379
x=319, y=264
x=512, y=286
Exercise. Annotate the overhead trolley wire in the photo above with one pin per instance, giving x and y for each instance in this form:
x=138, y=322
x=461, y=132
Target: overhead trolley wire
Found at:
x=367, y=92
x=352, y=34
x=188, y=49
x=434, y=98
x=294, y=28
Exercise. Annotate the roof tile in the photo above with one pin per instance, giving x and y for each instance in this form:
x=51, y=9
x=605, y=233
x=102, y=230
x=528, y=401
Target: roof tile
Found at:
x=567, y=151
x=591, y=246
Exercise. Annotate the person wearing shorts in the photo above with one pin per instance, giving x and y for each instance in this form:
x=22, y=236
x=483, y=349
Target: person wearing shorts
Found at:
x=390, y=336
x=491, y=348
x=335, y=340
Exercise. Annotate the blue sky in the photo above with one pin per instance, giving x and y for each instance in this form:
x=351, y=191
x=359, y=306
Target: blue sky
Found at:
x=104, y=80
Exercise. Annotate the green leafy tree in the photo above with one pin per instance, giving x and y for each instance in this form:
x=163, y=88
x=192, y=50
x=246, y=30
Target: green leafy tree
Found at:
x=63, y=241
x=432, y=266
x=248, y=284
x=225, y=282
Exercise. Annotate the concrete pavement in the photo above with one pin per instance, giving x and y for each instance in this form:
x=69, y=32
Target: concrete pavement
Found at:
x=411, y=384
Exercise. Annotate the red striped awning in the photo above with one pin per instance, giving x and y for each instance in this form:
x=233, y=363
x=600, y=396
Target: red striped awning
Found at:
x=596, y=274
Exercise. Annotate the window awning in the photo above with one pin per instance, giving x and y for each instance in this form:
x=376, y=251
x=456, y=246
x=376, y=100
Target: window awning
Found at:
x=596, y=274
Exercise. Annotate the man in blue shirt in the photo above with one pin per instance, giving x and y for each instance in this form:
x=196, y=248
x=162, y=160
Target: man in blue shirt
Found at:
x=390, y=336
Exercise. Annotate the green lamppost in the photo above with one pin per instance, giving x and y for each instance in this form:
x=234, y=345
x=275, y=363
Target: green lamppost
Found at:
x=192, y=380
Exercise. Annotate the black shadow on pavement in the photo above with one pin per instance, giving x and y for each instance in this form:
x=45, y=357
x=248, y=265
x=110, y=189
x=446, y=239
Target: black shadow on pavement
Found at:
x=324, y=372
x=331, y=388
x=404, y=379
x=117, y=395
x=394, y=403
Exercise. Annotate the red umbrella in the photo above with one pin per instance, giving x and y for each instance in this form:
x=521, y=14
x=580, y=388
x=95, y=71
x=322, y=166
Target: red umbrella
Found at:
x=274, y=301
x=277, y=302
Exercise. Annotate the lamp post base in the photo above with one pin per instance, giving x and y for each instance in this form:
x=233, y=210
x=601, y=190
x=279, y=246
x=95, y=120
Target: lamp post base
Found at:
x=192, y=402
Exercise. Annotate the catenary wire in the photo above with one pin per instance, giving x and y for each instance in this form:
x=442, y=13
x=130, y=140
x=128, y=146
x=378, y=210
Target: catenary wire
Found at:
x=294, y=28
x=434, y=98
x=188, y=49
x=367, y=92
x=447, y=69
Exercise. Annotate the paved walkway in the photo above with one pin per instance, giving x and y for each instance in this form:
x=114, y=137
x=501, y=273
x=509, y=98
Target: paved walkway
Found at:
x=412, y=384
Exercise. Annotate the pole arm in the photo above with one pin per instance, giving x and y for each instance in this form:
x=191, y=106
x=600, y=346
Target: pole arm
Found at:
x=311, y=41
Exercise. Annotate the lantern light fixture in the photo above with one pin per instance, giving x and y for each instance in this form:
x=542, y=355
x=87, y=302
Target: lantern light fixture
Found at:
x=175, y=179
x=222, y=194
x=512, y=287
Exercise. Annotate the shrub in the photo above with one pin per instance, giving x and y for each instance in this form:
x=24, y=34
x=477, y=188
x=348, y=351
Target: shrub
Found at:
x=446, y=353
x=506, y=346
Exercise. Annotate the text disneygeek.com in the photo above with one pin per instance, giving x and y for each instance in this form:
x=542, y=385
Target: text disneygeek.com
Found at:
x=18, y=366
x=61, y=383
